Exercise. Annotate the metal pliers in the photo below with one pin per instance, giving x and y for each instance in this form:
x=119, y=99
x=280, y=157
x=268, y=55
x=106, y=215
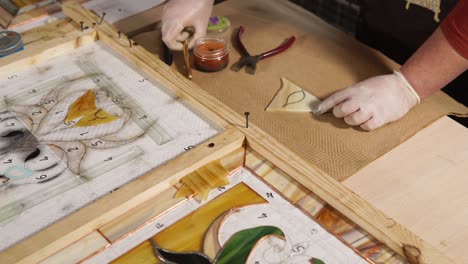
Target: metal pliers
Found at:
x=249, y=61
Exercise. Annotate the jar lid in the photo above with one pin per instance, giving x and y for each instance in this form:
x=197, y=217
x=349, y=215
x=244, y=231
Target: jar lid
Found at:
x=218, y=24
x=10, y=42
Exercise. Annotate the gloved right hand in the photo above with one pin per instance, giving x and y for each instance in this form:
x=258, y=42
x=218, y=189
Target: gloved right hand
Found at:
x=372, y=103
x=180, y=14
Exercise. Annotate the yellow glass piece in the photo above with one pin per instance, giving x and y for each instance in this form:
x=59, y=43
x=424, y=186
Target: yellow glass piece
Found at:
x=97, y=118
x=194, y=182
x=142, y=254
x=188, y=234
x=201, y=181
x=83, y=106
x=184, y=191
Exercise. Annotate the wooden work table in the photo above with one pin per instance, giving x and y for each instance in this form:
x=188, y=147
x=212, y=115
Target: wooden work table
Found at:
x=420, y=183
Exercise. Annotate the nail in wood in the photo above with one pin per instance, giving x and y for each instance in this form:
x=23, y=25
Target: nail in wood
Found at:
x=81, y=24
x=102, y=18
x=120, y=33
x=130, y=42
x=246, y=119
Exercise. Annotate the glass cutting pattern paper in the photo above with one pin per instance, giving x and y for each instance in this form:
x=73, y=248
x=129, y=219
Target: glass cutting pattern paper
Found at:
x=78, y=127
x=243, y=222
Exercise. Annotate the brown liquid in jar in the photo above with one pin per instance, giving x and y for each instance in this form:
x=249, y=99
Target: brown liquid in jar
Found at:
x=211, y=54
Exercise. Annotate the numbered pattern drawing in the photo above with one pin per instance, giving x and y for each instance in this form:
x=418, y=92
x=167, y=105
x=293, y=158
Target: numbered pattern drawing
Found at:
x=43, y=137
x=292, y=98
x=247, y=223
x=79, y=126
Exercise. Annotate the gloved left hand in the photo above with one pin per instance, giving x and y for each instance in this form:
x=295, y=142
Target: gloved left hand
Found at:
x=372, y=103
x=180, y=14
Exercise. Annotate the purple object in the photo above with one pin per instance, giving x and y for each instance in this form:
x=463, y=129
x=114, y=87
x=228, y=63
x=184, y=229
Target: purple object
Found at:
x=214, y=20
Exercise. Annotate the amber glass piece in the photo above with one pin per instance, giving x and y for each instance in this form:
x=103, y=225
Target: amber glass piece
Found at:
x=203, y=180
x=83, y=106
x=97, y=118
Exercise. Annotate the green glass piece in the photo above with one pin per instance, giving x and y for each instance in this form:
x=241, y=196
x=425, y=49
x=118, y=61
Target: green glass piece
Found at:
x=316, y=261
x=239, y=246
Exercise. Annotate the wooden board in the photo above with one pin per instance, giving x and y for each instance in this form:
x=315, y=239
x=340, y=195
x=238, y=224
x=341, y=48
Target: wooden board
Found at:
x=79, y=250
x=5, y=18
x=32, y=10
x=107, y=209
x=422, y=185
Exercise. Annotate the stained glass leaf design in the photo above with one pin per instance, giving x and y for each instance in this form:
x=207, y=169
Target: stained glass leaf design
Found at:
x=316, y=261
x=239, y=246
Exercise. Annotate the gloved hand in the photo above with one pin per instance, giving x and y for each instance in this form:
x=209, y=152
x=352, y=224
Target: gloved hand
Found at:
x=372, y=103
x=179, y=14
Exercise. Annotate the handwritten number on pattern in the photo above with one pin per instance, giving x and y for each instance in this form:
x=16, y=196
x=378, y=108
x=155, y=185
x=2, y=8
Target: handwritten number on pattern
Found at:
x=298, y=249
x=43, y=176
x=99, y=142
x=264, y=215
x=314, y=231
x=159, y=225
x=118, y=100
x=72, y=149
x=189, y=148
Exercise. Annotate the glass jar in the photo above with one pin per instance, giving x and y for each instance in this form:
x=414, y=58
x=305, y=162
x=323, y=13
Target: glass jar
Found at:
x=211, y=54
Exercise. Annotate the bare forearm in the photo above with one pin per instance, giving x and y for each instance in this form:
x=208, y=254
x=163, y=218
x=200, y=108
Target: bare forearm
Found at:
x=433, y=65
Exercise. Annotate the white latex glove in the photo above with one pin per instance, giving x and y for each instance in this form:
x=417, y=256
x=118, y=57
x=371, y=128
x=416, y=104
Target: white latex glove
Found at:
x=374, y=102
x=180, y=14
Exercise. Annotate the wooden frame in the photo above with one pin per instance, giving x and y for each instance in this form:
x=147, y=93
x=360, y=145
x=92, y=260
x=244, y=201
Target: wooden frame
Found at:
x=236, y=135
x=25, y=17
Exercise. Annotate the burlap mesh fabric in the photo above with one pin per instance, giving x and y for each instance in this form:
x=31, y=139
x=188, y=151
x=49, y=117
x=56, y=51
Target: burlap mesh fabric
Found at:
x=322, y=60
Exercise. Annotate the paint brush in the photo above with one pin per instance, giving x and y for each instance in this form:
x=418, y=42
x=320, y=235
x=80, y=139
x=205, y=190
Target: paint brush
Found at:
x=187, y=59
